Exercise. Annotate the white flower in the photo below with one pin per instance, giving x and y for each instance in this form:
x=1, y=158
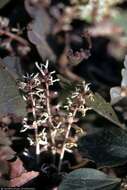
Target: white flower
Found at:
x=42, y=67
x=43, y=138
x=22, y=85
x=25, y=125
x=28, y=76
x=25, y=128
x=86, y=86
x=117, y=93
x=75, y=94
x=43, y=119
x=30, y=141
x=52, y=81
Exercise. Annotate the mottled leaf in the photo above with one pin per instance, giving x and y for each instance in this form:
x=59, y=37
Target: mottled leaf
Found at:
x=98, y=104
x=107, y=146
x=89, y=179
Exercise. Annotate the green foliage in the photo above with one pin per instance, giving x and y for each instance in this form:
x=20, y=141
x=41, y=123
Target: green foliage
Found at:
x=3, y=3
x=10, y=99
x=67, y=88
x=52, y=122
x=98, y=104
x=107, y=146
x=89, y=179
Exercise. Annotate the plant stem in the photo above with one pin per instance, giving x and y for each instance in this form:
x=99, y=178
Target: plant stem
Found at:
x=36, y=128
x=63, y=147
x=36, y=139
x=49, y=113
x=64, y=143
x=52, y=138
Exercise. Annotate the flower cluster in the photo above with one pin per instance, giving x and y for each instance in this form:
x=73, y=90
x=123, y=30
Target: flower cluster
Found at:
x=51, y=123
x=37, y=95
x=77, y=100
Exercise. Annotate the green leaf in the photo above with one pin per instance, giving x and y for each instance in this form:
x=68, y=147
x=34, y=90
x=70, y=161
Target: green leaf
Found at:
x=89, y=179
x=107, y=146
x=3, y=3
x=99, y=105
x=10, y=98
x=13, y=63
x=67, y=88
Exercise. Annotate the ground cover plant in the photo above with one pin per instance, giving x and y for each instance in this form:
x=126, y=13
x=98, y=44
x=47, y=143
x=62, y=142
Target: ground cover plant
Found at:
x=63, y=94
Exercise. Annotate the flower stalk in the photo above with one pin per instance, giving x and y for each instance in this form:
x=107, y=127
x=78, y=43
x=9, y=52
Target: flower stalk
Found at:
x=70, y=122
x=52, y=128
